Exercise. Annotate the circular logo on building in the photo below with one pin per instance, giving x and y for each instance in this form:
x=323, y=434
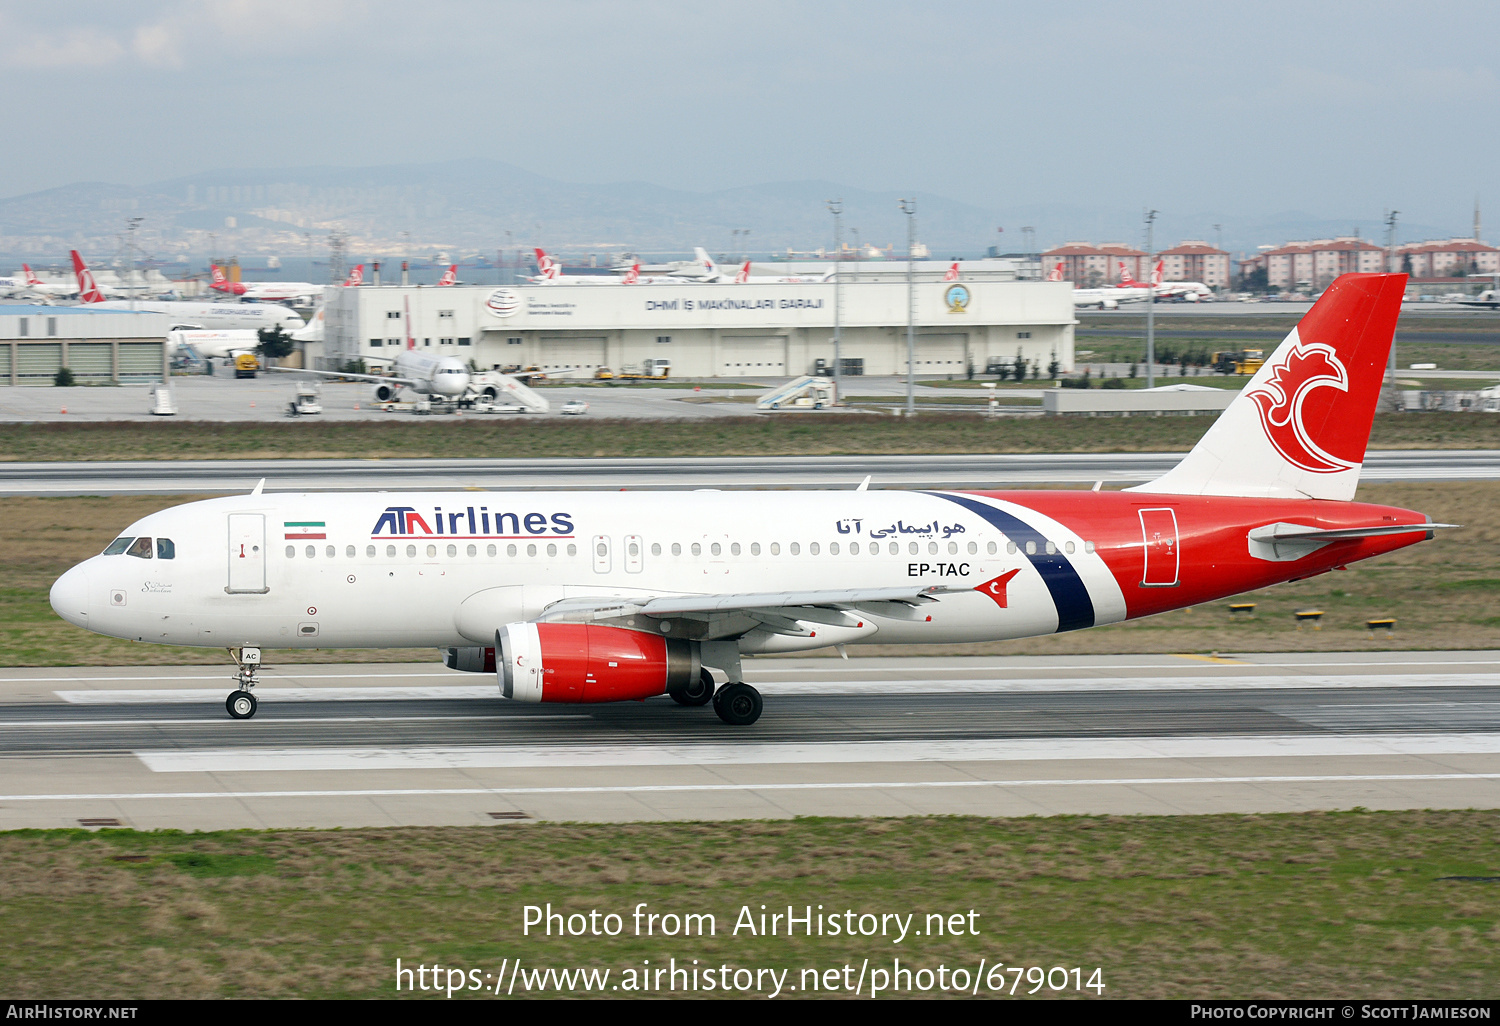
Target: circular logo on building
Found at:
x=503, y=302
x=957, y=297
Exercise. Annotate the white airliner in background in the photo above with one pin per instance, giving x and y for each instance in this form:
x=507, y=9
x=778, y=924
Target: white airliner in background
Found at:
x=442, y=377
x=192, y=316
x=272, y=290
x=613, y=596
x=746, y=278
x=1185, y=291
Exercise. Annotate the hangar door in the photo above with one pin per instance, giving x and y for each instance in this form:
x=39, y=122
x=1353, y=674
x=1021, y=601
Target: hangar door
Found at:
x=757, y=356
x=938, y=354
x=572, y=355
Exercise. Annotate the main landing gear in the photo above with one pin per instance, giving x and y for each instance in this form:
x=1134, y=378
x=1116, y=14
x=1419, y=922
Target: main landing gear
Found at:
x=241, y=704
x=738, y=705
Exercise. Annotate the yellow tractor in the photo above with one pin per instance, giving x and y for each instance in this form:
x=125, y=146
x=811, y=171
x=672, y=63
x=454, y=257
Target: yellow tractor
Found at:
x=1239, y=361
x=246, y=365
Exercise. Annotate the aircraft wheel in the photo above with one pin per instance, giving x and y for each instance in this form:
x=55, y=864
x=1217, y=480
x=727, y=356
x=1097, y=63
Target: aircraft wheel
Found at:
x=700, y=692
x=739, y=705
x=241, y=705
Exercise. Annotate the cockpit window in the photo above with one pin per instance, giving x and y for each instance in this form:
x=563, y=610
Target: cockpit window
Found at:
x=141, y=547
x=118, y=546
x=165, y=549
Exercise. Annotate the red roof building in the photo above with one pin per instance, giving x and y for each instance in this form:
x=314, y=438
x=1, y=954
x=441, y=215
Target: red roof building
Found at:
x=1451, y=259
x=1088, y=265
x=1315, y=263
x=1196, y=260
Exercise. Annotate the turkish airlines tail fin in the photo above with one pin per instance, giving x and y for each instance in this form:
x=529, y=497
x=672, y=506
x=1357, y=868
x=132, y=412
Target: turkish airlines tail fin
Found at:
x=1127, y=280
x=219, y=281
x=1056, y=274
x=1300, y=427
x=547, y=266
x=632, y=276
x=88, y=289
x=31, y=278
x=952, y=274
x=450, y=276
x=744, y=275
x=356, y=276
x=1156, y=274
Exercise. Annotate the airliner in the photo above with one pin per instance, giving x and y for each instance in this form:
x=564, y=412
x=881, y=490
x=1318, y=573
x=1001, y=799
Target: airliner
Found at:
x=746, y=278
x=445, y=378
x=274, y=290
x=581, y=597
x=188, y=316
x=1187, y=291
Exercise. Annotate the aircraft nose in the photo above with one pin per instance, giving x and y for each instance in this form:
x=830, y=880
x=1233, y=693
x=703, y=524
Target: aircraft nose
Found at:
x=70, y=596
x=460, y=383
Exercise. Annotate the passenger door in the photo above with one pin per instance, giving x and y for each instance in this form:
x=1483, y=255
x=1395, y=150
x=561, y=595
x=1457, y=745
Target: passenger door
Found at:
x=1159, y=532
x=247, y=554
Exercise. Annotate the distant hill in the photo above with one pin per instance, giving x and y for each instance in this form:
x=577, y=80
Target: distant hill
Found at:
x=482, y=205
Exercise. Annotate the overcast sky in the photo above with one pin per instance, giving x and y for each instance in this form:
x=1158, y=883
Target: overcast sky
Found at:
x=1338, y=110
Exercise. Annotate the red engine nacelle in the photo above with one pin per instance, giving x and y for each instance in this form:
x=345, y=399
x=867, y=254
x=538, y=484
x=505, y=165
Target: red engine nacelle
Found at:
x=577, y=662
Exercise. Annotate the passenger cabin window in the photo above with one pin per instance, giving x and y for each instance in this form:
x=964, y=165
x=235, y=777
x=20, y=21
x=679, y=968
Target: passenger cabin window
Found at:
x=118, y=546
x=140, y=548
x=165, y=549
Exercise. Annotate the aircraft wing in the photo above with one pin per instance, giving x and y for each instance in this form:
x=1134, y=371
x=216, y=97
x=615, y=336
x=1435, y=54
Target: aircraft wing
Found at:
x=380, y=379
x=732, y=614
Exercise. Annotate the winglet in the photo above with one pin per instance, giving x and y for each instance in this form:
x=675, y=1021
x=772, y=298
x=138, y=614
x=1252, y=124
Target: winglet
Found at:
x=259, y=485
x=864, y=485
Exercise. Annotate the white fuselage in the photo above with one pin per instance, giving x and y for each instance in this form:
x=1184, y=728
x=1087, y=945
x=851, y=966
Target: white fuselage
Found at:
x=451, y=568
x=277, y=290
x=213, y=316
x=432, y=375
x=213, y=343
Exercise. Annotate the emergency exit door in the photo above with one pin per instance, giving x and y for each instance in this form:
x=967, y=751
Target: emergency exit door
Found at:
x=247, y=554
x=1159, y=531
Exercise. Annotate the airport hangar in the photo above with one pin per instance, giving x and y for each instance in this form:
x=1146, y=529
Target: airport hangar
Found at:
x=100, y=347
x=707, y=331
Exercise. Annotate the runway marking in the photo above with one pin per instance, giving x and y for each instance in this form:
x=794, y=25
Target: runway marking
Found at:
x=1349, y=778
x=242, y=760
x=921, y=686
x=1221, y=660
x=219, y=721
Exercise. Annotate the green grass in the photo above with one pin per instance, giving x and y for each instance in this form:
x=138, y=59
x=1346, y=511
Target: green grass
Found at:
x=787, y=434
x=1351, y=904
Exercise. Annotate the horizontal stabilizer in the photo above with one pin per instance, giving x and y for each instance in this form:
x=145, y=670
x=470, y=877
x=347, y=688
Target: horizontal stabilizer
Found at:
x=1296, y=532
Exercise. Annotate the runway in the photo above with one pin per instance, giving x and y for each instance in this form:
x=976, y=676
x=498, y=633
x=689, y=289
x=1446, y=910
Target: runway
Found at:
x=188, y=477
x=387, y=744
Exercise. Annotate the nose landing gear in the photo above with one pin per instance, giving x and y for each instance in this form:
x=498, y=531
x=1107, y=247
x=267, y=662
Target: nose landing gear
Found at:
x=241, y=704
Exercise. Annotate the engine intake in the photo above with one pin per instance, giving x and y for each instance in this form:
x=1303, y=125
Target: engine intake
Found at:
x=576, y=662
x=470, y=660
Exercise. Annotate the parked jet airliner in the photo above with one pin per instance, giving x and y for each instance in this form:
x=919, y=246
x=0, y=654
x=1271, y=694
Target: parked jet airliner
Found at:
x=610, y=596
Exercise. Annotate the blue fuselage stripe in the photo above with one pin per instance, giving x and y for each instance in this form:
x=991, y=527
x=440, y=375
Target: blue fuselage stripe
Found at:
x=1075, y=609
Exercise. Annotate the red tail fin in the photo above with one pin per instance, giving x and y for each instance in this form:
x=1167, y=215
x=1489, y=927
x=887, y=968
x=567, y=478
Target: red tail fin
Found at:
x=1156, y=274
x=31, y=278
x=1126, y=278
x=633, y=275
x=450, y=276
x=1300, y=428
x=88, y=289
x=744, y=275
x=356, y=276
x=952, y=274
x=1056, y=274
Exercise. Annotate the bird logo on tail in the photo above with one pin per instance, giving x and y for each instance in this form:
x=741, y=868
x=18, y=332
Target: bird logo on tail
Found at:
x=1279, y=400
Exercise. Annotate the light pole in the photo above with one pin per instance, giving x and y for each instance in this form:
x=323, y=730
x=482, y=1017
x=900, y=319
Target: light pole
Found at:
x=836, y=208
x=1390, y=255
x=1150, y=303
x=1028, y=234
x=909, y=208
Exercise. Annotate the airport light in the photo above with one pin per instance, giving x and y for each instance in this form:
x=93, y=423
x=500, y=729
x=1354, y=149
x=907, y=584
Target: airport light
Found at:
x=1150, y=302
x=909, y=208
x=836, y=208
x=1390, y=257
